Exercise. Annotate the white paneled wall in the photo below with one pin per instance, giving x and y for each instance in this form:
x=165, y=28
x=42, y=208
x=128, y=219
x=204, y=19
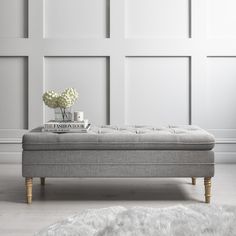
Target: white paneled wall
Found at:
x=221, y=18
x=153, y=83
x=76, y=19
x=221, y=95
x=89, y=75
x=157, y=18
x=132, y=61
x=13, y=18
x=14, y=93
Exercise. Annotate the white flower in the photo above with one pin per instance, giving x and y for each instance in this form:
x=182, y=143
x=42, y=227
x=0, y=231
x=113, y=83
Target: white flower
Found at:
x=72, y=93
x=64, y=100
x=50, y=99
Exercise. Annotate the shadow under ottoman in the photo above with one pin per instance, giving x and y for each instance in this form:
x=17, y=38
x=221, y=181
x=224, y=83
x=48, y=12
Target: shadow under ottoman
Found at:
x=119, y=152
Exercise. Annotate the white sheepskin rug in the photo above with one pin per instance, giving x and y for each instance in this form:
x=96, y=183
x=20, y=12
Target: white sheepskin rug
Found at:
x=191, y=220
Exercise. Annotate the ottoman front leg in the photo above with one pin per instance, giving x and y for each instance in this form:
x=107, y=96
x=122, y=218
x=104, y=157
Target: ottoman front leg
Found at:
x=207, y=183
x=193, y=180
x=29, y=186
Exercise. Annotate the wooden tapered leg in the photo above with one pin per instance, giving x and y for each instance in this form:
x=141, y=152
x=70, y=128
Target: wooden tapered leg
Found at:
x=29, y=186
x=207, y=183
x=193, y=180
x=42, y=180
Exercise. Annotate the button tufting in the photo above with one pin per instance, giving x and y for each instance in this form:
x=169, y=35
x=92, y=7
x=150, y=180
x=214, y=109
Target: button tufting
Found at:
x=125, y=137
x=171, y=130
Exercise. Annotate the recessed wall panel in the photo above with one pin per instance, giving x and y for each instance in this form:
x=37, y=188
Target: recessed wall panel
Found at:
x=14, y=93
x=76, y=18
x=221, y=97
x=221, y=18
x=157, y=18
x=90, y=78
x=157, y=90
x=14, y=18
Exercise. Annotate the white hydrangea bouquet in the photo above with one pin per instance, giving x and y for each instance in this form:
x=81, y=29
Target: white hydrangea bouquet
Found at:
x=61, y=101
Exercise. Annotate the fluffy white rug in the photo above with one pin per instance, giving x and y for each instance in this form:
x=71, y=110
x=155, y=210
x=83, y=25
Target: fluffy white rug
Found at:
x=191, y=220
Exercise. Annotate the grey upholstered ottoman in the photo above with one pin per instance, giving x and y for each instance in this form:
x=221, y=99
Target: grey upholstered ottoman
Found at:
x=119, y=151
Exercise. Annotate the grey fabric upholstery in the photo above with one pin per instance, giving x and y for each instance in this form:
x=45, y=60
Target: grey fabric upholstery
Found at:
x=117, y=157
x=119, y=171
x=115, y=163
x=122, y=138
x=124, y=151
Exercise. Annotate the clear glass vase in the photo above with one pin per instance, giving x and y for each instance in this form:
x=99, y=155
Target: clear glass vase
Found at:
x=63, y=114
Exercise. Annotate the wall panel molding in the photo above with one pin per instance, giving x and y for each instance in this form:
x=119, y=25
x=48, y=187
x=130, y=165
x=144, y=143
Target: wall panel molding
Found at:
x=13, y=19
x=158, y=18
x=76, y=18
x=14, y=96
x=89, y=75
x=219, y=114
x=221, y=27
x=151, y=94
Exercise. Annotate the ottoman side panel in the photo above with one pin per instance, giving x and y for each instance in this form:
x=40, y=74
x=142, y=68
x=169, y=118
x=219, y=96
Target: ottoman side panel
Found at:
x=107, y=163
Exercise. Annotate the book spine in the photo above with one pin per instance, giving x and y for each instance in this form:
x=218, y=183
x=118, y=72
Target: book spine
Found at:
x=64, y=126
x=65, y=130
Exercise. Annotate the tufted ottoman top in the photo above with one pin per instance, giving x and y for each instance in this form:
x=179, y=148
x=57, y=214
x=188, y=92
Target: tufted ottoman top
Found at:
x=122, y=138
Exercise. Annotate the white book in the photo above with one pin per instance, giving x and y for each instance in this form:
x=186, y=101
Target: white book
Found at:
x=65, y=125
x=67, y=130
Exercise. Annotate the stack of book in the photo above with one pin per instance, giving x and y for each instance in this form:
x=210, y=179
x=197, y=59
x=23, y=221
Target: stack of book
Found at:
x=67, y=127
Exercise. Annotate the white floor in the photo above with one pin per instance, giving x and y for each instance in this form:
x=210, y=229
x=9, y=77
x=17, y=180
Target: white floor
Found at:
x=62, y=197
